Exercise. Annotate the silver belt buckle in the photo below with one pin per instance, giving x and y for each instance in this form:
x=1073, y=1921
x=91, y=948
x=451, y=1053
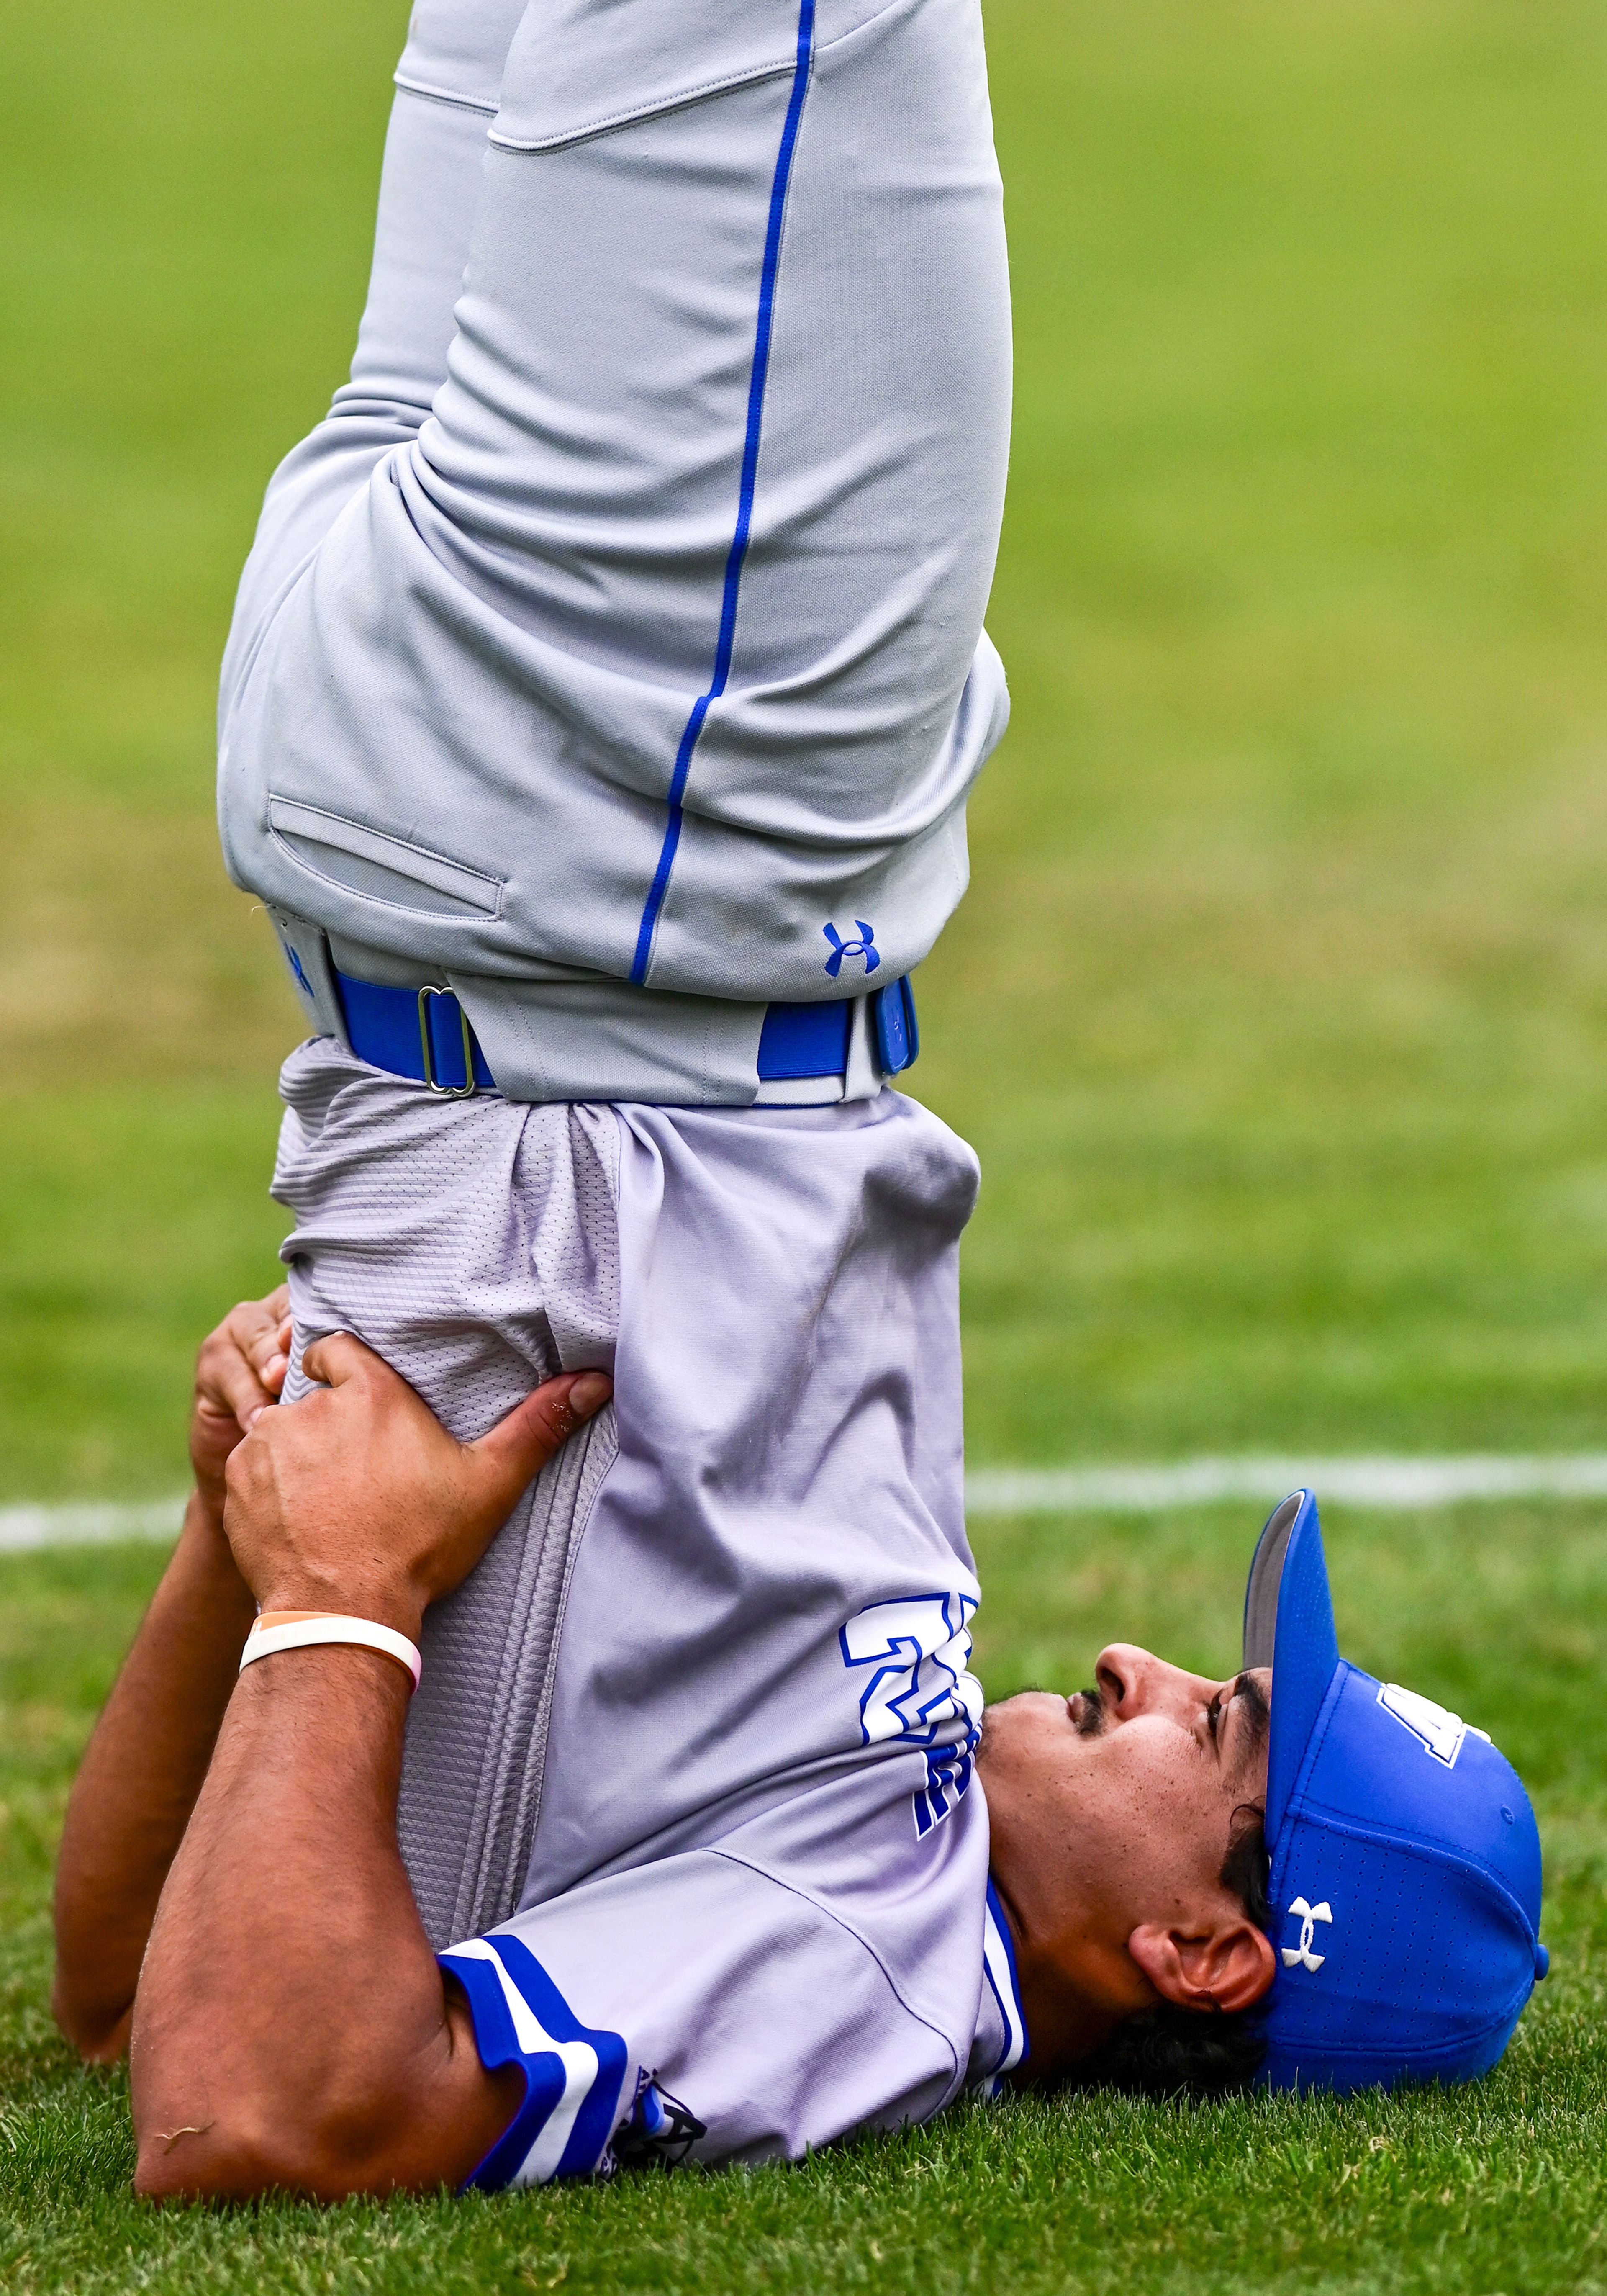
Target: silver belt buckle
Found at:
x=468, y=1088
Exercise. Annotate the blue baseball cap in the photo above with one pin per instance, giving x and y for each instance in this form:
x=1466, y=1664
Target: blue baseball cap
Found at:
x=1405, y=1858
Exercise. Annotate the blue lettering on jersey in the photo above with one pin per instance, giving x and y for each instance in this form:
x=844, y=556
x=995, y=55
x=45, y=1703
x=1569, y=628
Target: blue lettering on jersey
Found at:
x=921, y=1691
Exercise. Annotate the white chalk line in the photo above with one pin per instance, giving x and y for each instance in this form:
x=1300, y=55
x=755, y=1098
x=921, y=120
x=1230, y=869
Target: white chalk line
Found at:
x=23, y=1528
x=1405, y=1483
x=1408, y=1484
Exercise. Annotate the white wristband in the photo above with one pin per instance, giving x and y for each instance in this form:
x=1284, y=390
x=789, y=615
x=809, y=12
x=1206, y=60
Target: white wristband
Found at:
x=282, y=1630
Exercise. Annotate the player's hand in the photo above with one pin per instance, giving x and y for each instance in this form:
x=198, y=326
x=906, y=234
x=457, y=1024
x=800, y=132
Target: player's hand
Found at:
x=358, y=1500
x=239, y=1371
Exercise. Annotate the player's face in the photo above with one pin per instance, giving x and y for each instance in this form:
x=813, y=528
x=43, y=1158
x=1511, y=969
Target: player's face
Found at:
x=1114, y=1808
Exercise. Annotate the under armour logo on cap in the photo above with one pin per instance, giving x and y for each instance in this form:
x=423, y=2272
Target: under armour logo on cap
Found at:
x=864, y=947
x=1309, y=1917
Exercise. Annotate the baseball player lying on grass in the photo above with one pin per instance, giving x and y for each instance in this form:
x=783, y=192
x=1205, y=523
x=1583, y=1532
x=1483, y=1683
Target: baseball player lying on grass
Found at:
x=604, y=691
x=871, y=1897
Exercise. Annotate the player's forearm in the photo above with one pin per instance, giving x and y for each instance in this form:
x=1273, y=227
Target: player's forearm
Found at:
x=292, y=2029
x=138, y=1783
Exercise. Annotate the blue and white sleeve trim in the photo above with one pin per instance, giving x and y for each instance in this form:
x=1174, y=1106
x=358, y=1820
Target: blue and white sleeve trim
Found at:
x=573, y=2076
x=998, y=1971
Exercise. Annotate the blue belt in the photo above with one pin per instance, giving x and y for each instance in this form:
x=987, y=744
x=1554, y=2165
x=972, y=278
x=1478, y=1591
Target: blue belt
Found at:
x=424, y=1034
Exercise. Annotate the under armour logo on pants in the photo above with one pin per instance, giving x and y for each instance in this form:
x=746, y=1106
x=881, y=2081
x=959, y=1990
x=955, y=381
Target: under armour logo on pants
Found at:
x=864, y=947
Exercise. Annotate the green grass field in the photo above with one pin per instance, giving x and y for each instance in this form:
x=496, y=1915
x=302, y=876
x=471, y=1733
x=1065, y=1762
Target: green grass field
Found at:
x=1278, y=1011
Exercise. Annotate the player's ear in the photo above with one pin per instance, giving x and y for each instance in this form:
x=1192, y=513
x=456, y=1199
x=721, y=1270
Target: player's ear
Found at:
x=1229, y=1966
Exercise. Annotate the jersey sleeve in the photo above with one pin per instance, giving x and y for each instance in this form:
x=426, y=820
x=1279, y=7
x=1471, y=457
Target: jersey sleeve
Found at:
x=574, y=2074
x=696, y=2007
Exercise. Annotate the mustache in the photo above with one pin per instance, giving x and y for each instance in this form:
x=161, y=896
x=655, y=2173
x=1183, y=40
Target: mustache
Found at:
x=1091, y=1723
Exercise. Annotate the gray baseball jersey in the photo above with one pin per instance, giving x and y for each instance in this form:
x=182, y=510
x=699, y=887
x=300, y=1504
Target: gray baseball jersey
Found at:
x=746, y=1910
x=614, y=648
